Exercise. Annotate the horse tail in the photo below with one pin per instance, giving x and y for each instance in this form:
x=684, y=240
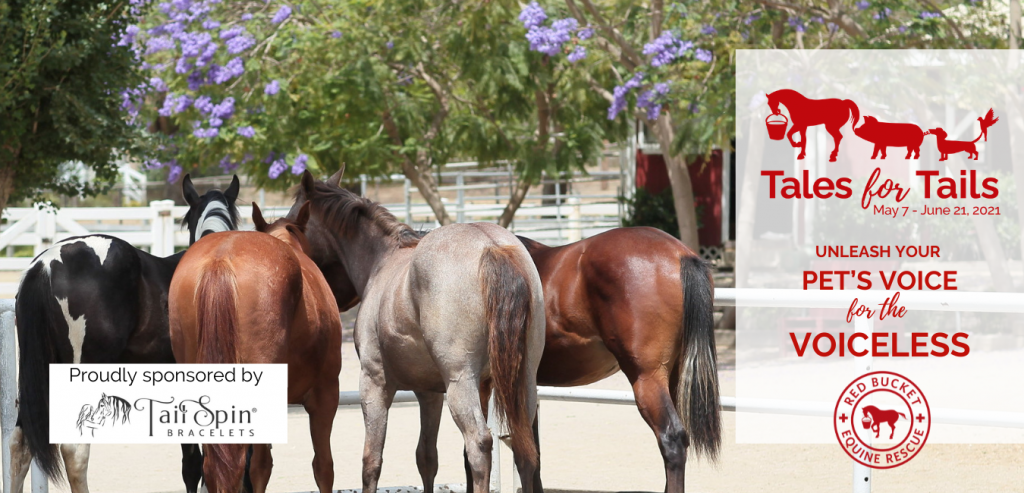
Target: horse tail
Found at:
x=853, y=109
x=901, y=414
x=508, y=304
x=216, y=323
x=215, y=314
x=39, y=329
x=697, y=396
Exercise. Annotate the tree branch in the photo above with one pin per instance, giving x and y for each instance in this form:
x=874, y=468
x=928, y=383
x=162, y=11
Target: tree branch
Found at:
x=629, y=57
x=952, y=24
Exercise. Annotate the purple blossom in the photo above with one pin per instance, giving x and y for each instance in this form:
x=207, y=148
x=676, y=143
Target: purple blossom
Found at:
x=246, y=16
x=586, y=33
x=129, y=36
x=205, y=133
x=216, y=122
x=694, y=108
x=335, y=34
x=817, y=18
x=635, y=81
x=863, y=5
x=174, y=173
x=300, y=164
x=231, y=32
x=224, y=109
x=272, y=88
x=247, y=131
x=277, y=167
x=884, y=14
x=158, y=44
x=751, y=18
x=703, y=55
x=549, y=40
x=798, y=24
x=648, y=101
x=210, y=24
x=207, y=56
x=708, y=29
x=236, y=67
x=204, y=104
x=239, y=44
x=226, y=165
x=282, y=14
x=620, y=92
x=903, y=29
x=666, y=48
x=929, y=15
x=158, y=84
x=193, y=44
x=532, y=16
x=175, y=104
x=390, y=45
x=577, y=54
x=183, y=66
x=661, y=88
x=196, y=80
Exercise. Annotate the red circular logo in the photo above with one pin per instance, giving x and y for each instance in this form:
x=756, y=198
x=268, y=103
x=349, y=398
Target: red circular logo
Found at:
x=882, y=420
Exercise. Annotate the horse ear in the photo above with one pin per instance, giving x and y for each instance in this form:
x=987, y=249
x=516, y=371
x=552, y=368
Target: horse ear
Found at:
x=303, y=216
x=308, y=184
x=188, y=190
x=335, y=179
x=257, y=218
x=232, y=192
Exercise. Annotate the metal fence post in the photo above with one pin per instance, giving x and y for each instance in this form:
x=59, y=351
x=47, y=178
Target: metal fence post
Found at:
x=575, y=224
x=408, y=202
x=460, y=215
x=162, y=224
x=46, y=228
x=8, y=385
x=40, y=483
x=862, y=473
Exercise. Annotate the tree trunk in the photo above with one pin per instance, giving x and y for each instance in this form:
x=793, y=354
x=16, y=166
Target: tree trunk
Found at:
x=679, y=176
x=424, y=181
x=1014, y=24
x=514, y=202
x=6, y=185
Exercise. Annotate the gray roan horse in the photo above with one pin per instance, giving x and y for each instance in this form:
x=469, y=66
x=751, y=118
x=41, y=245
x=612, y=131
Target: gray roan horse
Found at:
x=456, y=312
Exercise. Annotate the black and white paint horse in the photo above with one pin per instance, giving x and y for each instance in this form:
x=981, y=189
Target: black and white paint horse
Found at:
x=98, y=299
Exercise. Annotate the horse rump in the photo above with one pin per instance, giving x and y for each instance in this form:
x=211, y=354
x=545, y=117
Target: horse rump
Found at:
x=507, y=301
x=697, y=397
x=38, y=333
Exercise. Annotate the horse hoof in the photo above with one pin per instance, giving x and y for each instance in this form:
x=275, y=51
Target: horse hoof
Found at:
x=832, y=159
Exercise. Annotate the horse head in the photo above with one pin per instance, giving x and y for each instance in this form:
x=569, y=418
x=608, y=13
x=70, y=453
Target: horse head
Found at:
x=287, y=230
x=212, y=212
x=773, y=103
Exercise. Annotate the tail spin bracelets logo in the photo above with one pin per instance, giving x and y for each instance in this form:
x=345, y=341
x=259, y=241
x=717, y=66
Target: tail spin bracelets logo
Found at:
x=173, y=403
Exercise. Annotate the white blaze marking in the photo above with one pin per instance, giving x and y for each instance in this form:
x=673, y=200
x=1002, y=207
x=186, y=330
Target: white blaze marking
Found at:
x=99, y=245
x=76, y=330
x=216, y=224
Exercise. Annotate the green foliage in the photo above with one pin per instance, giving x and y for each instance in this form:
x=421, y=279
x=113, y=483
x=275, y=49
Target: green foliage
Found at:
x=655, y=210
x=61, y=76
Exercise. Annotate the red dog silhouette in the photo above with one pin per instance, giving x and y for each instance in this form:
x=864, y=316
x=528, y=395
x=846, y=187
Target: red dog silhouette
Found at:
x=891, y=134
x=804, y=112
x=947, y=147
x=879, y=416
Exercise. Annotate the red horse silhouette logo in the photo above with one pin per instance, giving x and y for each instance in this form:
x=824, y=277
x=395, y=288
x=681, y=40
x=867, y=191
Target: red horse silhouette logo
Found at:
x=874, y=417
x=804, y=112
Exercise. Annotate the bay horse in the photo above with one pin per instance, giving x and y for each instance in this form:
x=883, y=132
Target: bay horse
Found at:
x=256, y=297
x=457, y=312
x=805, y=112
x=97, y=299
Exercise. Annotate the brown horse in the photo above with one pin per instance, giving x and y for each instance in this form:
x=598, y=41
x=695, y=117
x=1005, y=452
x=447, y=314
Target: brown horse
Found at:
x=250, y=297
x=639, y=300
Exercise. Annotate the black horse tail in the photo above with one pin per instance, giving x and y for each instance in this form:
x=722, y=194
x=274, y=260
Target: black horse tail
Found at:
x=853, y=109
x=38, y=333
x=697, y=396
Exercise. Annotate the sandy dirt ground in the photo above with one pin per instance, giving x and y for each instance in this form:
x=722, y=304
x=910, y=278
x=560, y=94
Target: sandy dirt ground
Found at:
x=592, y=447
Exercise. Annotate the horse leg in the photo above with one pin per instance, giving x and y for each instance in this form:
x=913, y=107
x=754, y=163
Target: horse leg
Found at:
x=789, y=135
x=322, y=407
x=892, y=426
x=837, y=137
x=191, y=466
x=76, y=463
x=21, y=459
x=464, y=398
x=654, y=400
x=431, y=404
x=376, y=400
x=260, y=466
x=537, y=487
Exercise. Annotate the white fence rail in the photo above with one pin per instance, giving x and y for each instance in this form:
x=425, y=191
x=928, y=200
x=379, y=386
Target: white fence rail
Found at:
x=936, y=301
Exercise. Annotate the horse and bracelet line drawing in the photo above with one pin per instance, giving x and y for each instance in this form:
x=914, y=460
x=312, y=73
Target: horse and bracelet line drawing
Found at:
x=835, y=113
x=109, y=407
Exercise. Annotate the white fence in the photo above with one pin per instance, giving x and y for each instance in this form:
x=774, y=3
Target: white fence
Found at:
x=778, y=298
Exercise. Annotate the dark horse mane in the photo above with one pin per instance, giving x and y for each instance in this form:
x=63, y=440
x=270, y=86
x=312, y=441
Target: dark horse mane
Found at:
x=342, y=210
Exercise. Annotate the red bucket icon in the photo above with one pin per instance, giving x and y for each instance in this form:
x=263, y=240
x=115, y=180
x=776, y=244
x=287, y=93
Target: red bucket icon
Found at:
x=865, y=421
x=776, y=128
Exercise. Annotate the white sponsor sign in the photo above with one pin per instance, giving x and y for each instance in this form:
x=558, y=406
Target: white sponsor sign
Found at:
x=168, y=403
